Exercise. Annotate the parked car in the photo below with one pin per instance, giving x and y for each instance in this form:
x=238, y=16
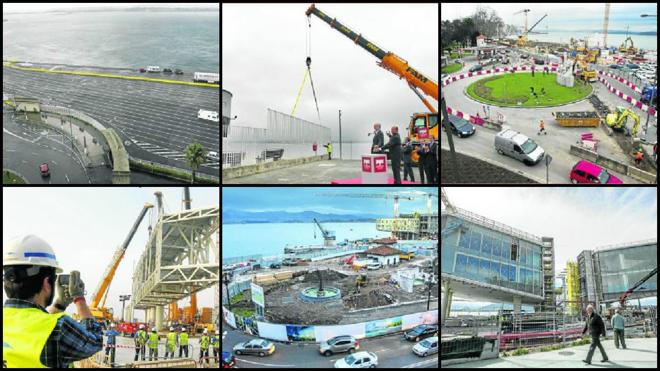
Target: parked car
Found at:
x=44, y=170
x=275, y=266
x=167, y=70
x=212, y=155
x=476, y=67
x=339, y=344
x=518, y=146
x=420, y=332
x=461, y=127
x=585, y=172
x=539, y=61
x=228, y=360
x=153, y=69
x=358, y=360
x=290, y=261
x=178, y=72
x=426, y=347
x=142, y=70
x=259, y=347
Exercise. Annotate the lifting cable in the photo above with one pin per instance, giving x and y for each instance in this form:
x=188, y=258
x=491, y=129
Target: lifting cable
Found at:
x=308, y=61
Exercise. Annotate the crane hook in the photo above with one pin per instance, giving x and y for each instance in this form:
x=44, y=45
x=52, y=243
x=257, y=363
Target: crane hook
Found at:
x=309, y=62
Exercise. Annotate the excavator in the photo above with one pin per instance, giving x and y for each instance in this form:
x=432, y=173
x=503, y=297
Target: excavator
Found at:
x=617, y=121
x=422, y=125
x=101, y=314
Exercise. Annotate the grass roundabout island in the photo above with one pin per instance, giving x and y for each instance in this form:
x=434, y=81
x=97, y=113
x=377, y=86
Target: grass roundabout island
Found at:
x=517, y=90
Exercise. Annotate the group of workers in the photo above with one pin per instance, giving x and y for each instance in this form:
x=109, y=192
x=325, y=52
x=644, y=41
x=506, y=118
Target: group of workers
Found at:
x=428, y=155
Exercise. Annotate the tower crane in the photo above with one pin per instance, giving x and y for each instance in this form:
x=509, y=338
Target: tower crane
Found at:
x=522, y=39
x=404, y=195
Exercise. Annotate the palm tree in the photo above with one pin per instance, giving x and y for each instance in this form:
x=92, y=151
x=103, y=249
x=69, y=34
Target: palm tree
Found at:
x=194, y=155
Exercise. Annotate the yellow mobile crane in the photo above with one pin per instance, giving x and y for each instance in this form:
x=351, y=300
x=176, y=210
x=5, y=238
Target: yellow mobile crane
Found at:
x=422, y=125
x=100, y=313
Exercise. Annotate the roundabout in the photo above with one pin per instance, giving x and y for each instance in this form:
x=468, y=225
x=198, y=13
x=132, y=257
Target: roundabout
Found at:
x=526, y=90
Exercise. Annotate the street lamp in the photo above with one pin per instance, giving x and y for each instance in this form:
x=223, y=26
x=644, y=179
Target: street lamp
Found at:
x=123, y=299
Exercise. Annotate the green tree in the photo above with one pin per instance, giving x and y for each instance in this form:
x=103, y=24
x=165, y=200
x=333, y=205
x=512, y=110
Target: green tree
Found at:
x=195, y=156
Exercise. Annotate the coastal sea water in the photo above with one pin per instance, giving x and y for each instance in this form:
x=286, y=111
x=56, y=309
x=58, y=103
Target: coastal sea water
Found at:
x=186, y=40
x=270, y=238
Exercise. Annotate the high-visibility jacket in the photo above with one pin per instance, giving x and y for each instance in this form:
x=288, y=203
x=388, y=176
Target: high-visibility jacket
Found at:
x=140, y=337
x=204, y=342
x=216, y=342
x=183, y=339
x=153, y=340
x=24, y=335
x=171, y=340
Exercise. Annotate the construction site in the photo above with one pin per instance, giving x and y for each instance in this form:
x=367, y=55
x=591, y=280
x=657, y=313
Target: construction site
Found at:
x=174, y=287
x=537, y=307
x=591, y=101
x=303, y=134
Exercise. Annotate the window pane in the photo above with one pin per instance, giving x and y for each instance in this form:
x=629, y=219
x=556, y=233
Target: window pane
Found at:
x=522, y=275
x=461, y=263
x=496, y=247
x=475, y=240
x=495, y=271
x=523, y=255
x=473, y=263
x=512, y=273
x=486, y=246
x=504, y=272
x=506, y=249
x=484, y=268
x=537, y=279
x=464, y=241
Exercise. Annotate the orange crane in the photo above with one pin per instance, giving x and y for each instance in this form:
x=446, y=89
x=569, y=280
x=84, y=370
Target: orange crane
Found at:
x=97, y=305
x=421, y=124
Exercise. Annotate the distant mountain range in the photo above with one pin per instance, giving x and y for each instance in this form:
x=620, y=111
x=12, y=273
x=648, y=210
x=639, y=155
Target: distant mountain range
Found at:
x=244, y=217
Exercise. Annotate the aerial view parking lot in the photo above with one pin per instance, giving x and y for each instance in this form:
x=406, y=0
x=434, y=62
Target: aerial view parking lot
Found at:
x=539, y=93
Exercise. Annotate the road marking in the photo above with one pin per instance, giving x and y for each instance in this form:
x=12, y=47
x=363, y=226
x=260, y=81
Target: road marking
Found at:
x=67, y=178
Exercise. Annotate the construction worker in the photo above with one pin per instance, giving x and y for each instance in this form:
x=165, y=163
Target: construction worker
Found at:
x=204, y=343
x=183, y=342
x=111, y=343
x=542, y=128
x=639, y=156
x=154, y=339
x=140, y=341
x=329, y=148
x=36, y=333
x=171, y=343
x=216, y=345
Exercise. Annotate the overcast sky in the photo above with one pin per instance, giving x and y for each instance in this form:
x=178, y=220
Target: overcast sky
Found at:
x=564, y=16
x=578, y=218
x=263, y=63
x=42, y=7
x=86, y=225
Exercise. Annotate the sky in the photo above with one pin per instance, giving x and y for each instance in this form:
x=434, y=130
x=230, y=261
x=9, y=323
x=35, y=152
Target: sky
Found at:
x=86, y=225
x=565, y=16
x=578, y=218
x=43, y=7
x=296, y=199
x=264, y=52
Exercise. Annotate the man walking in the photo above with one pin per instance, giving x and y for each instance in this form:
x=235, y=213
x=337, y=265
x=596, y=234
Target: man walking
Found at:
x=596, y=327
x=542, y=128
x=618, y=324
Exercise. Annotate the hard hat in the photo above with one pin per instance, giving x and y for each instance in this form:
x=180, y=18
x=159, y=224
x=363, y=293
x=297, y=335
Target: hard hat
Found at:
x=141, y=327
x=217, y=332
x=206, y=331
x=153, y=329
x=112, y=325
x=183, y=329
x=171, y=328
x=29, y=250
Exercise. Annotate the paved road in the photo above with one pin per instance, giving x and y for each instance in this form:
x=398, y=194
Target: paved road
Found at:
x=557, y=142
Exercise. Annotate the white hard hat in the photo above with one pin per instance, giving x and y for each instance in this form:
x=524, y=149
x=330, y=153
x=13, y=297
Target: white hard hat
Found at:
x=171, y=328
x=153, y=329
x=141, y=327
x=112, y=325
x=29, y=250
x=206, y=331
x=183, y=329
x=217, y=332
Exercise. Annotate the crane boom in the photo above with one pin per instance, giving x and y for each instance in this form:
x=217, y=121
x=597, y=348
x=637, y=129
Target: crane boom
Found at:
x=634, y=287
x=101, y=290
x=387, y=60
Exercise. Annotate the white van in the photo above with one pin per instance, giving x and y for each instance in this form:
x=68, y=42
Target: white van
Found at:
x=153, y=69
x=513, y=144
x=208, y=115
x=212, y=155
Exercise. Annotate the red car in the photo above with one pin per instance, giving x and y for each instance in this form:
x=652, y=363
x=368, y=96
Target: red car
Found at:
x=585, y=172
x=43, y=168
x=142, y=70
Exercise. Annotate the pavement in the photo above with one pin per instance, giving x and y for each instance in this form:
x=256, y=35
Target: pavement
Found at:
x=641, y=353
x=525, y=120
x=156, y=121
x=319, y=172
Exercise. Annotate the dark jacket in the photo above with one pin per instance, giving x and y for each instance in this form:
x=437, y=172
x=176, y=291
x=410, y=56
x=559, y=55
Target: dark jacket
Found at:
x=595, y=325
x=407, y=152
x=378, y=140
x=394, y=146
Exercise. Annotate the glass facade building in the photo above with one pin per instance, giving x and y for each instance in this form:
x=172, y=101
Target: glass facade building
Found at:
x=486, y=254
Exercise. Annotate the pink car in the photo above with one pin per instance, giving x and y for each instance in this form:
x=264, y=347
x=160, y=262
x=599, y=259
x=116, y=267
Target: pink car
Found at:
x=585, y=172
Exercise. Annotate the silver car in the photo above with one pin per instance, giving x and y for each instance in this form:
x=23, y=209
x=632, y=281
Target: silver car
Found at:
x=426, y=347
x=339, y=344
x=259, y=347
x=513, y=144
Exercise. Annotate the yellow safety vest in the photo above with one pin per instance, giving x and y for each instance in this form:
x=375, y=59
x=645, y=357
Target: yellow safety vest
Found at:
x=217, y=343
x=204, y=342
x=141, y=337
x=171, y=339
x=153, y=340
x=329, y=148
x=183, y=338
x=24, y=335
